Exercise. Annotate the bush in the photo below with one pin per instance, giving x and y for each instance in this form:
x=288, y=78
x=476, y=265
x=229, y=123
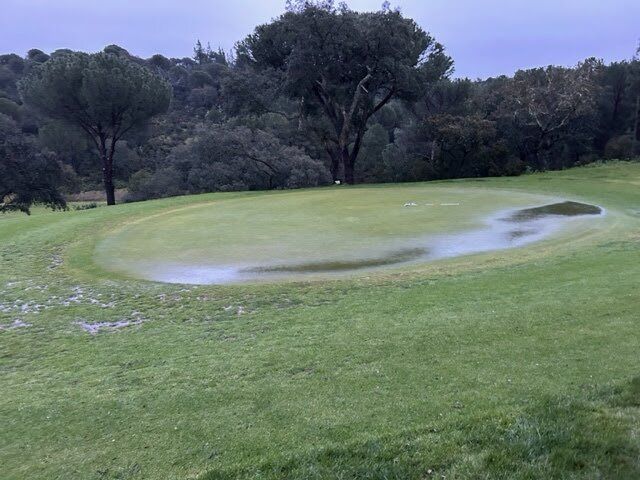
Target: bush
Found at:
x=10, y=109
x=620, y=147
x=165, y=182
x=226, y=158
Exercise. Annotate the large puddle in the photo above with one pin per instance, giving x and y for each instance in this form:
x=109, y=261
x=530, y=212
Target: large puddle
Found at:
x=504, y=230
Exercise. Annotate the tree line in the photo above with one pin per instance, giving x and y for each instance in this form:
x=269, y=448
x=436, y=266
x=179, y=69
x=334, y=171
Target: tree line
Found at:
x=321, y=94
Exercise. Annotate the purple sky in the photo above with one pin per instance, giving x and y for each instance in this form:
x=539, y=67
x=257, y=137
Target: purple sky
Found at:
x=485, y=37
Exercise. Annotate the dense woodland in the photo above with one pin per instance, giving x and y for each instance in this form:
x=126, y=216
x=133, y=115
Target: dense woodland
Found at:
x=321, y=94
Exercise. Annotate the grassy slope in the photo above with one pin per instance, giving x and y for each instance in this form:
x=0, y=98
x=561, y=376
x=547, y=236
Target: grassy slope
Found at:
x=518, y=364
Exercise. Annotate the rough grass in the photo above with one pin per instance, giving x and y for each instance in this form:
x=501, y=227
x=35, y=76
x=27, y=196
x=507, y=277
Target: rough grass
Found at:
x=590, y=435
x=519, y=364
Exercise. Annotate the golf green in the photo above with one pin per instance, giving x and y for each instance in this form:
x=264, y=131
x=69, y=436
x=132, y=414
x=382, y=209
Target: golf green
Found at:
x=303, y=234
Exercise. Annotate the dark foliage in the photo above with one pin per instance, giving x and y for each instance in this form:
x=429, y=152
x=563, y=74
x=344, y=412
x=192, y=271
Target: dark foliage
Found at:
x=226, y=158
x=27, y=176
x=366, y=97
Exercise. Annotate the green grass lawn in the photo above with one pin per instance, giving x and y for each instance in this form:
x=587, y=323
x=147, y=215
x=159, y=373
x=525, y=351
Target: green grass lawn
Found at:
x=522, y=363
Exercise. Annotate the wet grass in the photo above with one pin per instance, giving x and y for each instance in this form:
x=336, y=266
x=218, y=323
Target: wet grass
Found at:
x=321, y=230
x=512, y=364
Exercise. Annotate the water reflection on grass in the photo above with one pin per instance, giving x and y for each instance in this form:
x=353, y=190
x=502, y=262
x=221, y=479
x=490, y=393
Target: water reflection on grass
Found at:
x=501, y=231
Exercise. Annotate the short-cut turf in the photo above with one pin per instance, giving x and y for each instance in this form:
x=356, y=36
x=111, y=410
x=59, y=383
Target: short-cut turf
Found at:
x=300, y=227
x=511, y=364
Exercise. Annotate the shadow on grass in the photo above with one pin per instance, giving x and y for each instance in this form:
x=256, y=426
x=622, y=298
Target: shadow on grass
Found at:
x=593, y=434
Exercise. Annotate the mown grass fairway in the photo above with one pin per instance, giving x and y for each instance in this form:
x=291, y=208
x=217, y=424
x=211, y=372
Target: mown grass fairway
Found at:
x=521, y=363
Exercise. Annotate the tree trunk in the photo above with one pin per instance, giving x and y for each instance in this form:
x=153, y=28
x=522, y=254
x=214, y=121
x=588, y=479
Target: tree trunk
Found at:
x=107, y=172
x=109, y=188
x=636, y=128
x=536, y=160
x=432, y=155
x=348, y=163
x=349, y=158
x=335, y=164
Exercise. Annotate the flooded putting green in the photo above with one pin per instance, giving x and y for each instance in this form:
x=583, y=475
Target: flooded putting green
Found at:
x=329, y=232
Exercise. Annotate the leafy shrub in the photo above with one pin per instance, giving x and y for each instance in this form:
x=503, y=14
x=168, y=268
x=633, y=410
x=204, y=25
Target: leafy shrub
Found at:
x=620, y=147
x=229, y=158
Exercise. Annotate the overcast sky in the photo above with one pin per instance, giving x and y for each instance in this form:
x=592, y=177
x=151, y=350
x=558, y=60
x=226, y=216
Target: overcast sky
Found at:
x=484, y=37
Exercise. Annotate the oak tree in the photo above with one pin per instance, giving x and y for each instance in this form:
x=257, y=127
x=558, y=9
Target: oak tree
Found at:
x=345, y=66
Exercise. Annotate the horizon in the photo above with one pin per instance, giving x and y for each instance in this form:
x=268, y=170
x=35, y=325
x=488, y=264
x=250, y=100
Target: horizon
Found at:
x=521, y=35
